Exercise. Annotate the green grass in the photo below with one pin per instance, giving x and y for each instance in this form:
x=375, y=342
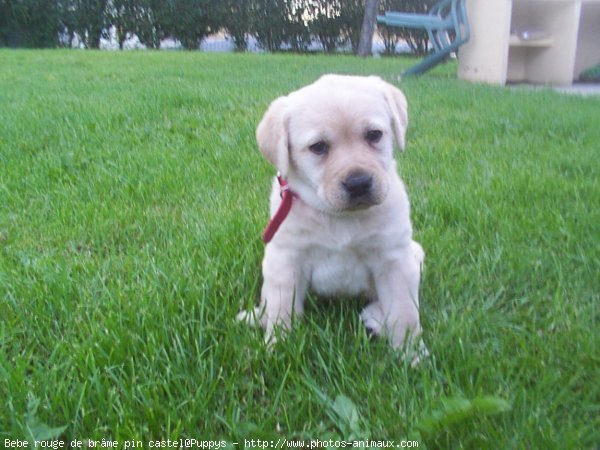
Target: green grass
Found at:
x=132, y=198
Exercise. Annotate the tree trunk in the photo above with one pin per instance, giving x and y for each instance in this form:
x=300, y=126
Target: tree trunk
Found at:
x=368, y=28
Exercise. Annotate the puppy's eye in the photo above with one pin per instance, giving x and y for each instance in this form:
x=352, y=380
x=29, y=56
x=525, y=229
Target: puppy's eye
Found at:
x=373, y=136
x=319, y=148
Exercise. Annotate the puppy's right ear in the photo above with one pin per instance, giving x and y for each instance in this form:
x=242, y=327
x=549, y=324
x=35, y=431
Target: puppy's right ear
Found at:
x=272, y=135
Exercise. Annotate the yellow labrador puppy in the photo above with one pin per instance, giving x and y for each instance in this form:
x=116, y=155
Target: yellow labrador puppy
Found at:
x=340, y=214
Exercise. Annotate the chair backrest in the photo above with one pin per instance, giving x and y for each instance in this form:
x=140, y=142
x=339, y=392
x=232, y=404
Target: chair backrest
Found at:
x=446, y=24
x=452, y=10
x=441, y=8
x=458, y=13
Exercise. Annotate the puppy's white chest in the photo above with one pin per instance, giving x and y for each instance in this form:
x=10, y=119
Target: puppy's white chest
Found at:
x=337, y=272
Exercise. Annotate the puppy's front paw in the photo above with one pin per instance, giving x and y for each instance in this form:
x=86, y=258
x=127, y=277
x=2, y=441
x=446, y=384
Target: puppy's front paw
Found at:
x=407, y=338
x=256, y=317
x=401, y=336
x=421, y=353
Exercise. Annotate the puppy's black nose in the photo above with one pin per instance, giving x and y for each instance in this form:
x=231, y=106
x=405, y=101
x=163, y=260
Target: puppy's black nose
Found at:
x=358, y=184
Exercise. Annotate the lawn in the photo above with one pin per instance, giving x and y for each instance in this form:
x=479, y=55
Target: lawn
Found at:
x=132, y=198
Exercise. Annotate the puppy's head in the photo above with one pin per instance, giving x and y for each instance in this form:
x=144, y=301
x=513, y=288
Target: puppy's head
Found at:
x=333, y=140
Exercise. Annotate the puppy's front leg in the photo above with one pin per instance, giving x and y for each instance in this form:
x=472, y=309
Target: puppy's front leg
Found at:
x=282, y=294
x=395, y=314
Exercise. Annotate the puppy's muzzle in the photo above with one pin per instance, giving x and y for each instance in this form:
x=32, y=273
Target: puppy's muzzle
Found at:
x=358, y=187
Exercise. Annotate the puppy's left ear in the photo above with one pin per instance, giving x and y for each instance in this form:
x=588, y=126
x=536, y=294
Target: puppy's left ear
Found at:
x=399, y=111
x=272, y=135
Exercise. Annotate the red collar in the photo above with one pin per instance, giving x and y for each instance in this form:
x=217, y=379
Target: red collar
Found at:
x=287, y=196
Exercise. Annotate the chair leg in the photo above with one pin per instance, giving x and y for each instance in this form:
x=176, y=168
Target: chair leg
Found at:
x=426, y=64
x=432, y=60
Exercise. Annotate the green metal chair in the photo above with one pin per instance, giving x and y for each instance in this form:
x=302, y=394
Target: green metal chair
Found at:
x=447, y=27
